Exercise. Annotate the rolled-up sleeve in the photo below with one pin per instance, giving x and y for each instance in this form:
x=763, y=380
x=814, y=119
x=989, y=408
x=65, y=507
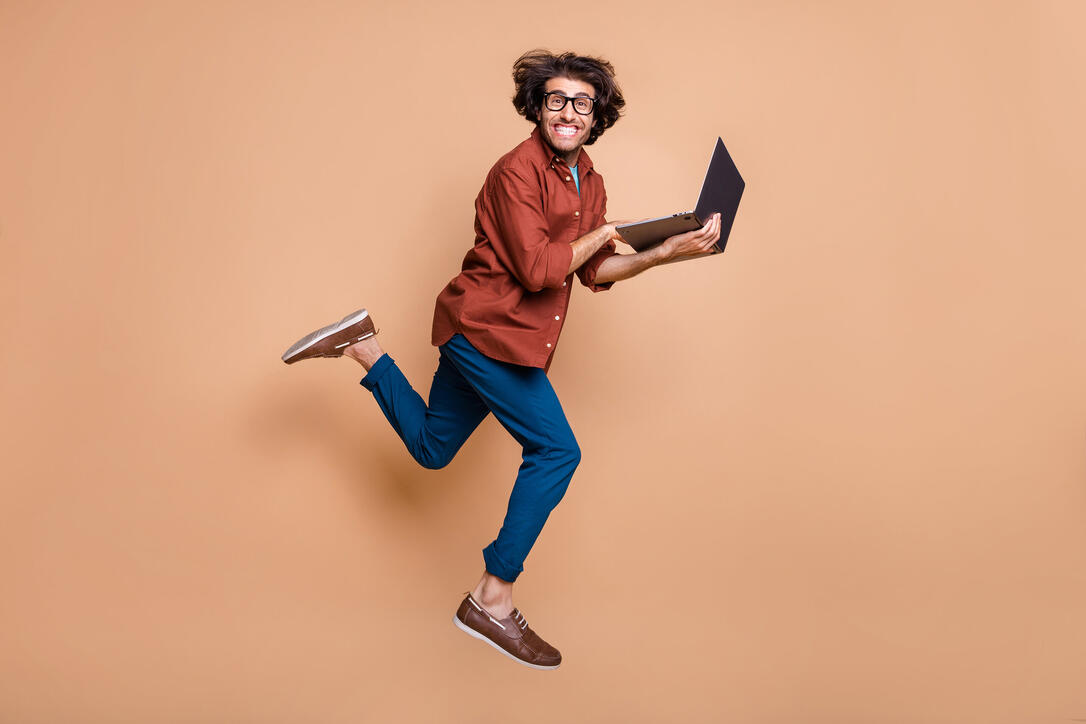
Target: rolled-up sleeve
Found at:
x=587, y=272
x=514, y=223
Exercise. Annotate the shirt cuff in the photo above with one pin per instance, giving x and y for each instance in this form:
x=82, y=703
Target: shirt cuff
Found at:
x=588, y=270
x=558, y=261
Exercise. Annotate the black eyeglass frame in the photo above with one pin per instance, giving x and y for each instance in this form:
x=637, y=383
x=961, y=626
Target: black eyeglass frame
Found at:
x=566, y=99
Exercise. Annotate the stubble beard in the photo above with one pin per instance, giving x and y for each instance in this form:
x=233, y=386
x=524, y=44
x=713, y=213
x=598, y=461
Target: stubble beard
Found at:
x=548, y=135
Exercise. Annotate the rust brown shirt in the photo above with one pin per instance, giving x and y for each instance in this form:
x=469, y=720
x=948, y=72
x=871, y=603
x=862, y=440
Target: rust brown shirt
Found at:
x=511, y=296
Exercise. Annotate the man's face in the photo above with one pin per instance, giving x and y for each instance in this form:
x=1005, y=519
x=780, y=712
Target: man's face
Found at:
x=566, y=130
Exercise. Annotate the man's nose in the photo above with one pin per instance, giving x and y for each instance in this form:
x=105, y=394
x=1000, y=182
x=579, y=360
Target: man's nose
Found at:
x=568, y=114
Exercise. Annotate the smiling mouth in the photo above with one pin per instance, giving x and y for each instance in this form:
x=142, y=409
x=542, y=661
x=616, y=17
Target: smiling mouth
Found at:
x=567, y=131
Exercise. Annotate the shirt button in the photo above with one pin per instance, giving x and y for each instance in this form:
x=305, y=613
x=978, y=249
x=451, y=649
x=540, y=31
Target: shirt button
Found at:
x=548, y=344
x=556, y=317
x=576, y=213
x=567, y=178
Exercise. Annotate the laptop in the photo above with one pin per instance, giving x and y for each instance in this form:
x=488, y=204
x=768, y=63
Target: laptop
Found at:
x=720, y=192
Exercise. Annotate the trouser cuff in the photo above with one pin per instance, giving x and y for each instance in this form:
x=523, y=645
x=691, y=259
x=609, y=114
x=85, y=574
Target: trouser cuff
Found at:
x=380, y=369
x=495, y=566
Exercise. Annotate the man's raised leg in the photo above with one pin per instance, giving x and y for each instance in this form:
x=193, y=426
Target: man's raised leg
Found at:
x=433, y=433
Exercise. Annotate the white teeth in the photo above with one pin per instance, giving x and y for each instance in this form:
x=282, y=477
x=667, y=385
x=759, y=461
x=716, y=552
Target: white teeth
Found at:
x=565, y=130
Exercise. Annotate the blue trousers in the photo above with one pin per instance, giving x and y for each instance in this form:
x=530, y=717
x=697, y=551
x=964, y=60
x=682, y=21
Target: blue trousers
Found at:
x=467, y=387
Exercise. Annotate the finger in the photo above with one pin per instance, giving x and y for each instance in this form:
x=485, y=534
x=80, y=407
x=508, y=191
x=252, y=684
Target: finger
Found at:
x=714, y=237
x=713, y=222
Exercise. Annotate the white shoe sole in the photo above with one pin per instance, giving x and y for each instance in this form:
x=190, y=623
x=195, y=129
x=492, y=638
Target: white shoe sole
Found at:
x=310, y=339
x=472, y=632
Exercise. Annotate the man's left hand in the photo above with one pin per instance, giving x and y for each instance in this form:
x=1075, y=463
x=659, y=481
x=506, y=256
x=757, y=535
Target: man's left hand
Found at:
x=693, y=243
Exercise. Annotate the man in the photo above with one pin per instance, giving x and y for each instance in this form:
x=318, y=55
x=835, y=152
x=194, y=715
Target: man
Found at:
x=539, y=220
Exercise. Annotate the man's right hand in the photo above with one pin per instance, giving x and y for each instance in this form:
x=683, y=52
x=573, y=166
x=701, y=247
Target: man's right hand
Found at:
x=612, y=227
x=590, y=243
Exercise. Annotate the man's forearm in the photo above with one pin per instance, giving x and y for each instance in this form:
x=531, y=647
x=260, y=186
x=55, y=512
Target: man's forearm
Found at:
x=623, y=266
x=589, y=244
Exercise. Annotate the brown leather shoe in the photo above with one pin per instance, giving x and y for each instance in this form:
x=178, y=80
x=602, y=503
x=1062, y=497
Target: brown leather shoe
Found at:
x=330, y=341
x=511, y=635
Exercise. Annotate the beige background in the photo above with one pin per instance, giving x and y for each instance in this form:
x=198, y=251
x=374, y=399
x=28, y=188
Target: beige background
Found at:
x=836, y=475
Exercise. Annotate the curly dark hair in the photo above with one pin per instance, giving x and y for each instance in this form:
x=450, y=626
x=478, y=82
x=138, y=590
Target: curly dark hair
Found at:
x=533, y=69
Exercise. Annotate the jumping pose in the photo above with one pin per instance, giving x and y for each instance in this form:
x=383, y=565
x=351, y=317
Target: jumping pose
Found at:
x=539, y=219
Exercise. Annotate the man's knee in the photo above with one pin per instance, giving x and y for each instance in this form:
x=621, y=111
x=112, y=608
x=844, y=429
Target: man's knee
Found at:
x=430, y=454
x=434, y=451
x=573, y=450
x=433, y=460
x=566, y=452
x=566, y=456
x=433, y=463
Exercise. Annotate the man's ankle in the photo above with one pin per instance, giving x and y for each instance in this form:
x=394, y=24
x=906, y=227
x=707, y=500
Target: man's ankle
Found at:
x=498, y=608
x=366, y=352
x=498, y=601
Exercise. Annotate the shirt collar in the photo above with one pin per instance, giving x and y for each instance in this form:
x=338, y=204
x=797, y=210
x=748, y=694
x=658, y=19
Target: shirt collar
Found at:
x=546, y=155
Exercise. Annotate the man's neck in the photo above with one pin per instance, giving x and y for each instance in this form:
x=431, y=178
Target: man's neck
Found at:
x=570, y=159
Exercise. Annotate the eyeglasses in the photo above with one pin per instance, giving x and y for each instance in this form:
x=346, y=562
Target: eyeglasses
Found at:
x=556, y=101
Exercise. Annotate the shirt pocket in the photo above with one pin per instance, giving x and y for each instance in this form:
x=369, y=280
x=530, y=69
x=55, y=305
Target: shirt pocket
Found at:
x=593, y=214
